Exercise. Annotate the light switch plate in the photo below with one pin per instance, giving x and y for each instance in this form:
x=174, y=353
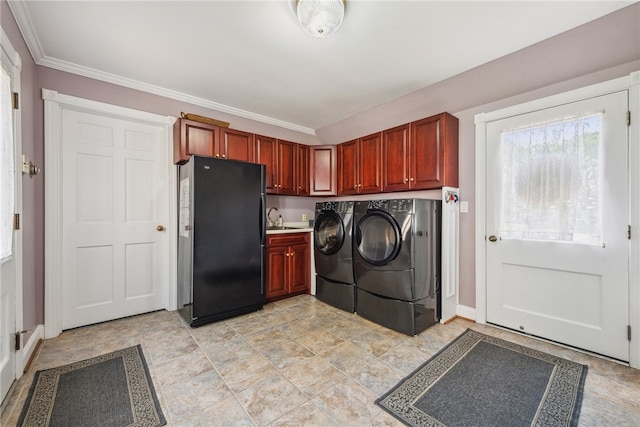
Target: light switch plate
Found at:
x=464, y=207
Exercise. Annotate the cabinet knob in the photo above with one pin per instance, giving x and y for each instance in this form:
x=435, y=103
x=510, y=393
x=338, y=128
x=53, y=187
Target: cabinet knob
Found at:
x=406, y=180
x=217, y=155
x=355, y=186
x=412, y=180
x=224, y=156
x=360, y=185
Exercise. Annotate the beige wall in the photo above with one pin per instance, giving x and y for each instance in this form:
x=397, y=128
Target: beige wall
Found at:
x=598, y=51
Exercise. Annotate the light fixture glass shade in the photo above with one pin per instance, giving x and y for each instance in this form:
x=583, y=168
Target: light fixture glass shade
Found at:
x=320, y=18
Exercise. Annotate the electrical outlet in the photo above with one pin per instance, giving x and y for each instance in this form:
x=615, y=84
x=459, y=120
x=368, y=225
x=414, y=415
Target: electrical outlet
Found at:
x=304, y=217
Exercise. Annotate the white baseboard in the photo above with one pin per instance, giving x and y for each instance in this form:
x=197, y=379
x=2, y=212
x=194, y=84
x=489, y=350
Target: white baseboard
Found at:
x=29, y=348
x=466, y=312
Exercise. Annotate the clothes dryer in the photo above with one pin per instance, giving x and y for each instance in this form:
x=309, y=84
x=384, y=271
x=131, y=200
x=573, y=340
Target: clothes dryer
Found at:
x=397, y=256
x=333, y=254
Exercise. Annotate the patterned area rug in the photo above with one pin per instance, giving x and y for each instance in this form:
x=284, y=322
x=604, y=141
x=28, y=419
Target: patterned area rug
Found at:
x=113, y=389
x=479, y=380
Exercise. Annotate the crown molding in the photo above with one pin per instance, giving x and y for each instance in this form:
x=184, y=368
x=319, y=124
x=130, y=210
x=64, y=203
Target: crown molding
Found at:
x=7, y=48
x=21, y=14
x=23, y=19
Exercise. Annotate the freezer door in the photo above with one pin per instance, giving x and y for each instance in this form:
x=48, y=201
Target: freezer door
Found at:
x=228, y=231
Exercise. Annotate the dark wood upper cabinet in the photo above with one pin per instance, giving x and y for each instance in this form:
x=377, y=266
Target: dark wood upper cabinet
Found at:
x=287, y=167
x=359, y=165
x=236, y=145
x=191, y=137
x=421, y=155
x=323, y=170
x=280, y=158
x=370, y=164
x=267, y=154
x=348, y=168
x=302, y=165
x=434, y=157
x=395, y=149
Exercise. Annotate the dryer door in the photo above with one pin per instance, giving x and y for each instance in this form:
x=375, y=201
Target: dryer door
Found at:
x=328, y=233
x=378, y=238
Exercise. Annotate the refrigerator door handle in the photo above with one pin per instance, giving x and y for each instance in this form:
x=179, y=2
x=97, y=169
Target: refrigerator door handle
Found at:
x=263, y=218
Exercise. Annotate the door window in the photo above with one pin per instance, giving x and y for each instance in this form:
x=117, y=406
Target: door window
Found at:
x=7, y=176
x=378, y=238
x=329, y=233
x=551, y=181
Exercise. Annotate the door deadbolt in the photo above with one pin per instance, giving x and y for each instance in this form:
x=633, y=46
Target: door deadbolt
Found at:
x=493, y=238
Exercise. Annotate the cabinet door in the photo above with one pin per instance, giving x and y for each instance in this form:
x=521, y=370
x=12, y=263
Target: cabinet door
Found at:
x=323, y=170
x=287, y=168
x=277, y=271
x=300, y=268
x=237, y=145
x=193, y=137
x=370, y=164
x=267, y=154
x=302, y=165
x=395, y=150
x=434, y=152
x=348, y=168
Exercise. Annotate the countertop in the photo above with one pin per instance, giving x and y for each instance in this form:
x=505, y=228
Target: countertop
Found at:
x=292, y=227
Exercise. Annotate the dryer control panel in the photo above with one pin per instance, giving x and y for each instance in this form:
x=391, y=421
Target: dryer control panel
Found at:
x=394, y=206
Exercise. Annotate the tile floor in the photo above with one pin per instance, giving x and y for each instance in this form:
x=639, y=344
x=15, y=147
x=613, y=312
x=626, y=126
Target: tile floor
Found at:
x=298, y=362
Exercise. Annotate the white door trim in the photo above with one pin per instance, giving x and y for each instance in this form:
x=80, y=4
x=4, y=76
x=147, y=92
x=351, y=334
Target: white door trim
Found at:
x=54, y=103
x=631, y=83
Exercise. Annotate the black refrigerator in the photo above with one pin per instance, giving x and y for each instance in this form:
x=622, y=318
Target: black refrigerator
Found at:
x=221, y=239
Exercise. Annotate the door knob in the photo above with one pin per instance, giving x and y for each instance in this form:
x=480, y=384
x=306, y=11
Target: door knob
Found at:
x=160, y=228
x=493, y=238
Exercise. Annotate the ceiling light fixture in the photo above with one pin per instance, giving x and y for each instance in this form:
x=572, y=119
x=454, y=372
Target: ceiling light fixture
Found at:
x=320, y=18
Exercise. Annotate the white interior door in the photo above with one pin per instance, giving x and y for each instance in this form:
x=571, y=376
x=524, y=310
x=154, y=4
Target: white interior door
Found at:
x=557, y=216
x=113, y=217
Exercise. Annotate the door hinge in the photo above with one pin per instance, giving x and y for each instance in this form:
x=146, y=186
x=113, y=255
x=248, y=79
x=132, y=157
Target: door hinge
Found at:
x=628, y=332
x=628, y=118
x=16, y=100
x=629, y=232
x=16, y=221
x=18, y=343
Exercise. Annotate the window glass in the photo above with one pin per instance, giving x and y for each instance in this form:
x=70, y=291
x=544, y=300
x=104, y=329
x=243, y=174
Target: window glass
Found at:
x=7, y=171
x=551, y=187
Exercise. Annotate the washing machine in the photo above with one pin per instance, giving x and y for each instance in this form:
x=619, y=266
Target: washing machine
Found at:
x=397, y=262
x=333, y=254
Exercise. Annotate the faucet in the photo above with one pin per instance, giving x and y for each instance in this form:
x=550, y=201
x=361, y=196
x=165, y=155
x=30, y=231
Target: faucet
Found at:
x=270, y=222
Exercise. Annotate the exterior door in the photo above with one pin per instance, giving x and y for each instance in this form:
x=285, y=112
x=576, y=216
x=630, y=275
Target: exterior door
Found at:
x=557, y=215
x=10, y=203
x=114, y=211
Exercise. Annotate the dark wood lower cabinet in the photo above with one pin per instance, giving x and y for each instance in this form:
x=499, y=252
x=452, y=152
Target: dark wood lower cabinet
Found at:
x=288, y=265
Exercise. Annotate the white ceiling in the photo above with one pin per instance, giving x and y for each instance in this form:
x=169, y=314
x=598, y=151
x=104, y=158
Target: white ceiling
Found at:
x=250, y=58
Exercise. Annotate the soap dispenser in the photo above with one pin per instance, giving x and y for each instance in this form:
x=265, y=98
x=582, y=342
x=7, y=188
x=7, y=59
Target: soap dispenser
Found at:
x=279, y=221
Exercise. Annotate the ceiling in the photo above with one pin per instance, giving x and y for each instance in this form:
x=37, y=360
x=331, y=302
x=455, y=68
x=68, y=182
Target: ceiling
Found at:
x=251, y=59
